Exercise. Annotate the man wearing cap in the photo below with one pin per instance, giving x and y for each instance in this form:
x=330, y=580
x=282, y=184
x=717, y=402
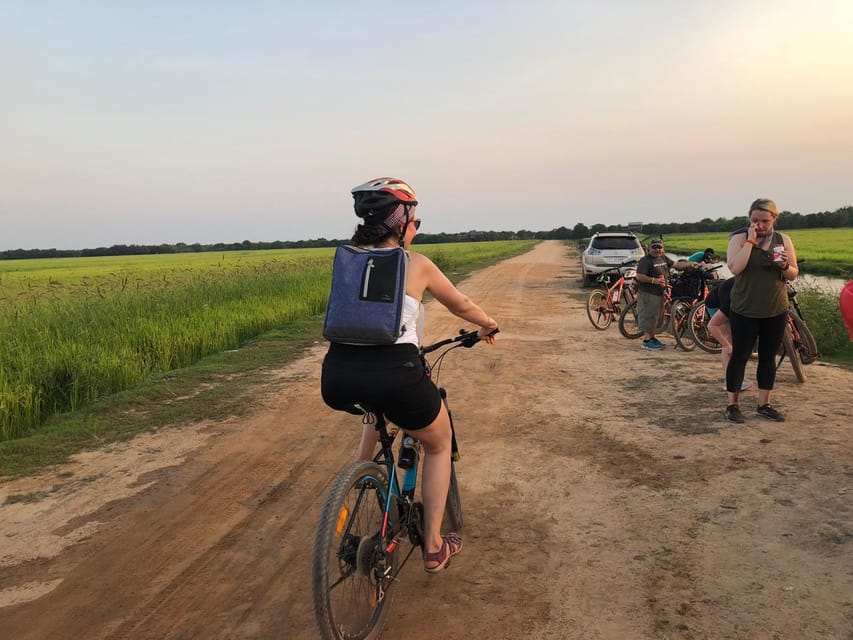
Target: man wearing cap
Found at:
x=652, y=272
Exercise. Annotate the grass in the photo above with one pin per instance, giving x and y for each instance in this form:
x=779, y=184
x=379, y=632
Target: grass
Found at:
x=827, y=252
x=823, y=317
x=206, y=387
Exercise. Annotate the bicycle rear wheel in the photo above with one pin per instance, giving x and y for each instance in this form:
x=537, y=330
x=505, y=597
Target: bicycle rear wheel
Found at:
x=352, y=573
x=697, y=323
x=453, y=507
x=596, y=310
x=793, y=354
x=681, y=326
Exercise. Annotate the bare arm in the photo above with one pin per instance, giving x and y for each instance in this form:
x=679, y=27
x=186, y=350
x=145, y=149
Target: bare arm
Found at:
x=789, y=258
x=431, y=279
x=738, y=253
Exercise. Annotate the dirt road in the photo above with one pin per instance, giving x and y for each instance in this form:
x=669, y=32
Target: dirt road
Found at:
x=605, y=497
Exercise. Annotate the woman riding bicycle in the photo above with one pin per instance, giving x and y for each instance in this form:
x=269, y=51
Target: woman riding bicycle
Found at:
x=391, y=379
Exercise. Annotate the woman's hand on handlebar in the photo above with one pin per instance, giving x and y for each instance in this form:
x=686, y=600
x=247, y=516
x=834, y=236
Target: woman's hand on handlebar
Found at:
x=488, y=334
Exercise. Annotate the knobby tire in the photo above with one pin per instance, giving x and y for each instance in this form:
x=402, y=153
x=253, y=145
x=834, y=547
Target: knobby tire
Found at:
x=680, y=325
x=453, y=507
x=596, y=310
x=346, y=549
x=628, y=324
x=793, y=355
x=807, y=345
x=698, y=324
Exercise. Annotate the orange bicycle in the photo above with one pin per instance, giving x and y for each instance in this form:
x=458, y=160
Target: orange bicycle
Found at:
x=605, y=303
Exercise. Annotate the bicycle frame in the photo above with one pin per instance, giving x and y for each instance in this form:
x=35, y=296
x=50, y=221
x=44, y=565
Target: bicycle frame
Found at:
x=407, y=508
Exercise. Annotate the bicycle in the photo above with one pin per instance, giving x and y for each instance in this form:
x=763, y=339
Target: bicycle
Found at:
x=368, y=515
x=605, y=303
x=697, y=321
x=676, y=304
x=798, y=343
x=693, y=293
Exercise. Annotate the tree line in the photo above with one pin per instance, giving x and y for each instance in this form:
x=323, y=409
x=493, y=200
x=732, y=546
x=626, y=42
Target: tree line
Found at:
x=839, y=218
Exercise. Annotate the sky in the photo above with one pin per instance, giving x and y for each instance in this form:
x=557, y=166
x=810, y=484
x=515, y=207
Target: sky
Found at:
x=151, y=122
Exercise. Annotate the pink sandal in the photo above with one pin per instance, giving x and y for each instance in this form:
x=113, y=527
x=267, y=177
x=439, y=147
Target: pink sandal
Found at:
x=451, y=544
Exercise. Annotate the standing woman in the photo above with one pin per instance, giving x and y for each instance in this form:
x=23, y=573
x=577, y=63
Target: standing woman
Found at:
x=762, y=260
x=391, y=378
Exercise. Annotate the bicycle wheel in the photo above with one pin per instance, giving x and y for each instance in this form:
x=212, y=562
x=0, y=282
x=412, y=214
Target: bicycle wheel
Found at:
x=793, y=355
x=697, y=322
x=628, y=323
x=628, y=295
x=806, y=345
x=352, y=573
x=453, y=507
x=680, y=325
x=596, y=309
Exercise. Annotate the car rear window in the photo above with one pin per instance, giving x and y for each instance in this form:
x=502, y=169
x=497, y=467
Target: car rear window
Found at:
x=615, y=243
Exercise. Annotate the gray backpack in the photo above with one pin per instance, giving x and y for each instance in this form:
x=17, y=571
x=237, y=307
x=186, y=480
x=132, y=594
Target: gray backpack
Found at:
x=366, y=298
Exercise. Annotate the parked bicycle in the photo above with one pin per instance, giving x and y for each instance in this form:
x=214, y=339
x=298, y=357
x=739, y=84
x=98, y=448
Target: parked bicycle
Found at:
x=681, y=293
x=606, y=302
x=697, y=322
x=798, y=343
x=695, y=287
x=368, y=516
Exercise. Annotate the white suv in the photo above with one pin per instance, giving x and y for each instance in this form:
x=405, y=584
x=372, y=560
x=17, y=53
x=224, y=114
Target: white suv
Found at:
x=608, y=250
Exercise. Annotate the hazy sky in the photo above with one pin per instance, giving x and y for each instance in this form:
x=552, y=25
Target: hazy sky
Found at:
x=207, y=121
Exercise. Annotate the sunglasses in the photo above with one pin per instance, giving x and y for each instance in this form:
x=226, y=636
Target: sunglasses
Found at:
x=417, y=223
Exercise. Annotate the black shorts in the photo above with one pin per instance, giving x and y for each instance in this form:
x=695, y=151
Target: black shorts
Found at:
x=388, y=379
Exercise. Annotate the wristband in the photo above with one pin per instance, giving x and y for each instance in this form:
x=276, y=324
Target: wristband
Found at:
x=752, y=242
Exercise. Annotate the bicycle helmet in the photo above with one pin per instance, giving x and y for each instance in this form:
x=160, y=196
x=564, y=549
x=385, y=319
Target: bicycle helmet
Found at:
x=377, y=199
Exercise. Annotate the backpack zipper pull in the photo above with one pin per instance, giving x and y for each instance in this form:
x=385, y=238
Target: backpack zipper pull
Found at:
x=367, y=277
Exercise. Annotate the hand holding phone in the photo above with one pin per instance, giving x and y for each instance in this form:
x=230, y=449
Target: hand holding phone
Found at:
x=752, y=233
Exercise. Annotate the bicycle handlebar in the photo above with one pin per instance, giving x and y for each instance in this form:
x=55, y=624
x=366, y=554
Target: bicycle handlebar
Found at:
x=467, y=339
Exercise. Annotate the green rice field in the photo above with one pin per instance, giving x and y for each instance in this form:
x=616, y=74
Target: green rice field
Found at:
x=827, y=252
x=74, y=330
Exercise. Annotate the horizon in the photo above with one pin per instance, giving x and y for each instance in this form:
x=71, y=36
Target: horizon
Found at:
x=159, y=123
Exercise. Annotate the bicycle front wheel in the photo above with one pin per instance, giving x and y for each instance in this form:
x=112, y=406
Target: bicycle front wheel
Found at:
x=680, y=326
x=629, y=326
x=352, y=573
x=697, y=323
x=453, y=507
x=596, y=310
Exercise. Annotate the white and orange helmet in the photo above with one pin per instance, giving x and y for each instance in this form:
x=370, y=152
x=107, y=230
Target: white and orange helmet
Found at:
x=377, y=199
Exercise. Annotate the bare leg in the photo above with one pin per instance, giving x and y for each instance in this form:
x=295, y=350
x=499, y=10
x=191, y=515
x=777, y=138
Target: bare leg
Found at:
x=763, y=397
x=436, y=439
x=719, y=327
x=369, y=438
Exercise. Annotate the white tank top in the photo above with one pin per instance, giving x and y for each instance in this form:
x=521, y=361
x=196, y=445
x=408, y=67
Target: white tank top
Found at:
x=413, y=322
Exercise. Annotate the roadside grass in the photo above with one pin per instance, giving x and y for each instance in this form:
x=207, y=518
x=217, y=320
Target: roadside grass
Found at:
x=823, y=317
x=217, y=386
x=220, y=386
x=74, y=331
x=827, y=252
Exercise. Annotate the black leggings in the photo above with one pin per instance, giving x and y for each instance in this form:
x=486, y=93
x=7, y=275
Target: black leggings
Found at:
x=769, y=332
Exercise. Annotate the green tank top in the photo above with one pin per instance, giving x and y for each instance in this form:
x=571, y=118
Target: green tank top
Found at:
x=759, y=290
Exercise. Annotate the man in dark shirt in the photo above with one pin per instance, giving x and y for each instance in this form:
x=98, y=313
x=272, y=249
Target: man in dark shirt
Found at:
x=652, y=276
